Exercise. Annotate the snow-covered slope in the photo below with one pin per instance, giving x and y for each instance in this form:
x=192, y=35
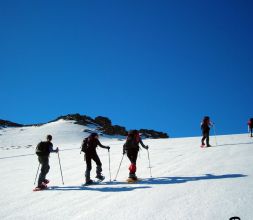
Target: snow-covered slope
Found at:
x=187, y=182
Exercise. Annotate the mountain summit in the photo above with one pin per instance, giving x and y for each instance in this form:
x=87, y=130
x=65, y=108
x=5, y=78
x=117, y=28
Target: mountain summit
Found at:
x=103, y=124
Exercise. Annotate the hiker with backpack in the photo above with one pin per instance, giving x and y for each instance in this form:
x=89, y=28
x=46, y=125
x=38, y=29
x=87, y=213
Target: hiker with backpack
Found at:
x=250, y=126
x=43, y=150
x=131, y=148
x=205, y=127
x=89, y=146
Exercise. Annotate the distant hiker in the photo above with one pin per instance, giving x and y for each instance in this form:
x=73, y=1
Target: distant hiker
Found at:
x=89, y=146
x=131, y=148
x=43, y=149
x=205, y=127
x=250, y=126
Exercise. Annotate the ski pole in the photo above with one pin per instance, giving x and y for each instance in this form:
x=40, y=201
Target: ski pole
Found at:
x=149, y=164
x=139, y=154
x=60, y=168
x=215, y=135
x=110, y=165
x=37, y=174
x=119, y=167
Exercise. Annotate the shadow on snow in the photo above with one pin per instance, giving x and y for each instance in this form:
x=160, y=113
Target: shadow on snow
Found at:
x=102, y=188
x=177, y=180
x=233, y=144
x=105, y=187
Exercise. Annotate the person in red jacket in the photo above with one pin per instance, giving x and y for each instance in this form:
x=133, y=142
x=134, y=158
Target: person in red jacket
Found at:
x=250, y=126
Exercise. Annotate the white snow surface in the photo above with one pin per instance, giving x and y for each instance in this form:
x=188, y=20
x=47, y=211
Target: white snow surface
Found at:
x=188, y=182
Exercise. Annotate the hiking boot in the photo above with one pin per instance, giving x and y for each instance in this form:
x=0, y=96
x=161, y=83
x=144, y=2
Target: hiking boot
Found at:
x=89, y=182
x=100, y=177
x=46, y=181
x=42, y=186
x=132, y=176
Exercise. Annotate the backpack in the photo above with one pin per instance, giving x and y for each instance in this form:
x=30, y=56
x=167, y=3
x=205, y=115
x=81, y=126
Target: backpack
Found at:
x=42, y=149
x=132, y=141
x=250, y=122
x=85, y=145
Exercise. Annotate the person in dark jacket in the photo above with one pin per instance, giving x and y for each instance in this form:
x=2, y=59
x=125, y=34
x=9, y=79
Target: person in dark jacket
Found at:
x=131, y=148
x=90, y=144
x=43, y=150
x=250, y=126
x=205, y=127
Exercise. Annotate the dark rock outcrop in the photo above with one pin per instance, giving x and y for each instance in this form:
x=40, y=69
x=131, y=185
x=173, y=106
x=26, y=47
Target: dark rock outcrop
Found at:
x=103, y=121
x=153, y=134
x=113, y=130
x=80, y=119
x=108, y=128
x=4, y=123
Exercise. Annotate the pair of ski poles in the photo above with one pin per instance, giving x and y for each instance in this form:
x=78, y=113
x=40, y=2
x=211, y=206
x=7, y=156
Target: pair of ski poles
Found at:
x=60, y=170
x=121, y=163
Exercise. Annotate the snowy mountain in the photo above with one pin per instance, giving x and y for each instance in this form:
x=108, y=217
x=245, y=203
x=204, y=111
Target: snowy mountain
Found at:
x=103, y=125
x=188, y=182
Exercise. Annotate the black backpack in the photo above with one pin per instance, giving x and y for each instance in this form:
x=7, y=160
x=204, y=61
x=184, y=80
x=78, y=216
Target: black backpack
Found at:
x=42, y=148
x=131, y=143
x=85, y=145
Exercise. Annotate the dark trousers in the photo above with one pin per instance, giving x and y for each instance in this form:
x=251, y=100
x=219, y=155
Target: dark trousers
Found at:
x=132, y=155
x=92, y=156
x=251, y=131
x=44, y=162
x=205, y=136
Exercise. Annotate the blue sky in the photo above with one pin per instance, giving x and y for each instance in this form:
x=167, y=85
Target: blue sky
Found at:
x=160, y=65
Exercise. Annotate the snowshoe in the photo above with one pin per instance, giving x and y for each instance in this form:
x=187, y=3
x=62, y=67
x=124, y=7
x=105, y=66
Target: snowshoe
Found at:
x=132, y=180
x=89, y=182
x=40, y=188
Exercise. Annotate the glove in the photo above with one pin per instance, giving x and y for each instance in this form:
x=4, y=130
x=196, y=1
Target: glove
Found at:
x=57, y=150
x=146, y=147
x=124, y=151
x=108, y=148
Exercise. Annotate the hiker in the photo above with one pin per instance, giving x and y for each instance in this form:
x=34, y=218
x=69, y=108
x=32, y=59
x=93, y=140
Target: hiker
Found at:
x=43, y=150
x=250, y=126
x=205, y=127
x=89, y=148
x=131, y=148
